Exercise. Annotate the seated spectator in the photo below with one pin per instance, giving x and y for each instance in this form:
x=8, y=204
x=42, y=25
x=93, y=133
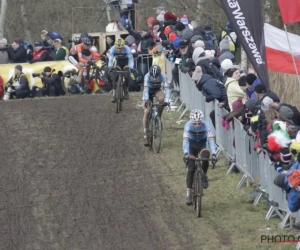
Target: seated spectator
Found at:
x=233, y=89
x=19, y=84
x=17, y=53
x=225, y=52
x=4, y=56
x=38, y=54
x=52, y=85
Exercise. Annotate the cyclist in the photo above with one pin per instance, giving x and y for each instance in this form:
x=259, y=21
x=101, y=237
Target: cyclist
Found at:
x=120, y=58
x=197, y=134
x=153, y=82
x=81, y=55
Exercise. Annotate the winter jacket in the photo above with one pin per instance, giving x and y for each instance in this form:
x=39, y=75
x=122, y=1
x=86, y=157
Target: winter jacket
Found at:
x=209, y=68
x=4, y=56
x=233, y=91
x=226, y=54
x=20, y=83
x=212, y=89
x=145, y=43
x=296, y=114
x=250, y=91
x=19, y=55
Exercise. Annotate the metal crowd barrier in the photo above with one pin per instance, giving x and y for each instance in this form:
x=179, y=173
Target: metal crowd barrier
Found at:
x=253, y=166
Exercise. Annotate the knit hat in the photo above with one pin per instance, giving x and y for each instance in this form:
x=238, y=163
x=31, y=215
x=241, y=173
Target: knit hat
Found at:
x=172, y=36
x=169, y=16
x=150, y=19
x=224, y=44
x=160, y=17
x=167, y=30
x=250, y=78
x=260, y=89
x=156, y=22
x=184, y=20
x=197, y=74
x=176, y=42
x=230, y=72
x=242, y=81
x=4, y=41
x=294, y=178
x=286, y=112
x=237, y=104
x=47, y=69
x=19, y=67
x=187, y=34
x=195, y=38
x=179, y=26
x=199, y=44
x=130, y=40
x=38, y=44
x=227, y=64
x=183, y=44
x=57, y=40
x=252, y=104
x=265, y=104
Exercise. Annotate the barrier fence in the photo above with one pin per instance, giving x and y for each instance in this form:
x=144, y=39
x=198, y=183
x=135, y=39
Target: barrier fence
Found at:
x=253, y=166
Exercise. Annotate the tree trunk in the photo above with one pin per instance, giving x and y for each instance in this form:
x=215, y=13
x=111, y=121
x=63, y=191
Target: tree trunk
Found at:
x=200, y=6
x=2, y=16
x=25, y=20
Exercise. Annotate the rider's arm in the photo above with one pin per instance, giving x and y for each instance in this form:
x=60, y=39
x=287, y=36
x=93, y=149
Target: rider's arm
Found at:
x=146, y=88
x=186, y=135
x=167, y=87
x=79, y=53
x=95, y=55
x=130, y=58
x=210, y=139
x=111, y=56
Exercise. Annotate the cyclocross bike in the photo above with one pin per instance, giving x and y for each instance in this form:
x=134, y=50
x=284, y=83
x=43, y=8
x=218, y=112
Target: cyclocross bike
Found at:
x=155, y=127
x=96, y=74
x=197, y=189
x=119, y=92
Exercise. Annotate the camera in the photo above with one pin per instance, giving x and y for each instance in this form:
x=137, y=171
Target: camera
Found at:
x=248, y=115
x=38, y=74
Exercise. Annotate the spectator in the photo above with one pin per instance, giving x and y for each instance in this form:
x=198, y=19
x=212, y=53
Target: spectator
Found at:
x=233, y=89
x=180, y=28
x=19, y=84
x=149, y=22
x=170, y=19
x=198, y=30
x=185, y=21
x=17, y=53
x=159, y=9
x=109, y=43
x=252, y=82
x=61, y=52
x=194, y=39
x=4, y=56
x=210, y=38
x=261, y=92
x=157, y=32
x=39, y=54
x=226, y=65
x=250, y=117
x=225, y=53
x=199, y=44
x=232, y=38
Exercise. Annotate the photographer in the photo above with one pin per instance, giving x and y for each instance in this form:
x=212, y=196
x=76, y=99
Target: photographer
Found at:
x=39, y=54
x=4, y=56
x=52, y=85
x=18, y=85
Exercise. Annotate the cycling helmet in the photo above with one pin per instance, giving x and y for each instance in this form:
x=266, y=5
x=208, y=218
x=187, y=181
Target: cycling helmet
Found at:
x=86, y=41
x=196, y=115
x=119, y=43
x=84, y=34
x=155, y=71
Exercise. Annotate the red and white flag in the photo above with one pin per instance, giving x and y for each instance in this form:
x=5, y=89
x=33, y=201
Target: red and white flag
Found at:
x=290, y=10
x=278, y=53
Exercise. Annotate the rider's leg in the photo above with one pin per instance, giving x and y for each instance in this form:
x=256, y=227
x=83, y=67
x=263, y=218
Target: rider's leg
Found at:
x=160, y=96
x=114, y=76
x=190, y=175
x=126, y=84
x=204, y=153
x=73, y=60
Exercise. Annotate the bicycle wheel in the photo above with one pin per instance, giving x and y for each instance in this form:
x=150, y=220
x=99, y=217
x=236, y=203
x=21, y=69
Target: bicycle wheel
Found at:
x=194, y=192
x=199, y=194
x=118, y=97
x=102, y=82
x=150, y=133
x=69, y=80
x=157, y=134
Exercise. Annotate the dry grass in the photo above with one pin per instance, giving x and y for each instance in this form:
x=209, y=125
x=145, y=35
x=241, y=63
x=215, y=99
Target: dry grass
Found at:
x=286, y=86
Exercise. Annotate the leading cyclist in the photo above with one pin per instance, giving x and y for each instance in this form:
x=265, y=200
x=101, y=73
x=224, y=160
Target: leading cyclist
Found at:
x=197, y=136
x=121, y=54
x=154, y=83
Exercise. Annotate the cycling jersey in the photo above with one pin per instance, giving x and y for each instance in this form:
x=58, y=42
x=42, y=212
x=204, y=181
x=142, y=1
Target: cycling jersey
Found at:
x=123, y=57
x=198, y=135
x=84, y=55
x=150, y=84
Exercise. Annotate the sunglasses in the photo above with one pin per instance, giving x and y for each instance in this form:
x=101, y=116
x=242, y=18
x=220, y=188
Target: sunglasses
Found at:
x=197, y=123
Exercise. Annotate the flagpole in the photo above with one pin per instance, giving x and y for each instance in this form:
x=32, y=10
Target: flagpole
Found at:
x=295, y=66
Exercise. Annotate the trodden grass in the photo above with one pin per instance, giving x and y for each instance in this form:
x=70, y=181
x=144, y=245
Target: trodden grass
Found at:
x=228, y=220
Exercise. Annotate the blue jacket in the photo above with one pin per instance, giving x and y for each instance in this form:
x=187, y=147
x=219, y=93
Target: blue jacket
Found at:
x=250, y=92
x=292, y=195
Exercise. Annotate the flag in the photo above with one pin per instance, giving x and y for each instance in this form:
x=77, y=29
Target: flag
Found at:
x=245, y=16
x=279, y=56
x=290, y=11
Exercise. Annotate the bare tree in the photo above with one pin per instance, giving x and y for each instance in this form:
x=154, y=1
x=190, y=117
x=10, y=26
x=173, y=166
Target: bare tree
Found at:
x=2, y=16
x=25, y=20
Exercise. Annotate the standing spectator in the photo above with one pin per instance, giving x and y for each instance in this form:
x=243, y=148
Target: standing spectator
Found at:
x=149, y=22
x=19, y=84
x=39, y=54
x=198, y=30
x=17, y=53
x=185, y=21
x=252, y=81
x=4, y=56
x=232, y=38
x=109, y=43
x=160, y=12
x=226, y=65
x=61, y=52
x=170, y=20
x=180, y=28
x=225, y=52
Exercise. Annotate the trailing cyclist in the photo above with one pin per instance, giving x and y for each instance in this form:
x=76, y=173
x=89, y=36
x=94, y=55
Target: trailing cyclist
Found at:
x=197, y=134
x=154, y=83
x=120, y=58
x=81, y=56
